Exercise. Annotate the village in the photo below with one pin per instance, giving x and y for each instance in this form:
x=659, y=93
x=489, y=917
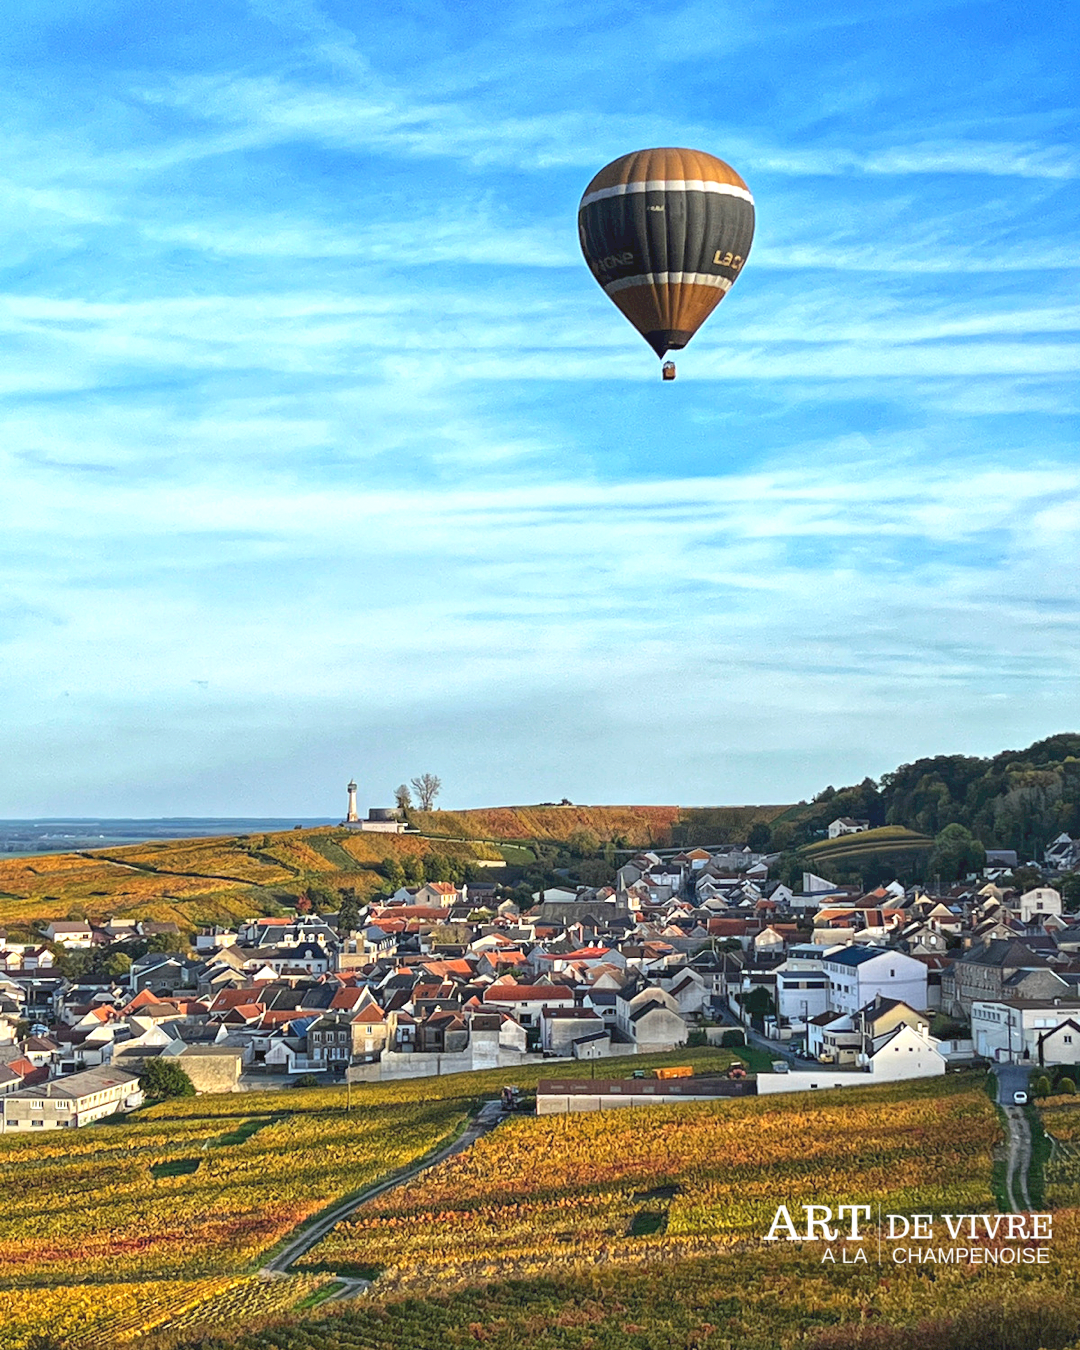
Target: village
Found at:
x=823, y=986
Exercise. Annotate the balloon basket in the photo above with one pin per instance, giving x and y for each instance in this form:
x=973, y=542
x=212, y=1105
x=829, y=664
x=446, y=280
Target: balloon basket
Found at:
x=667, y=371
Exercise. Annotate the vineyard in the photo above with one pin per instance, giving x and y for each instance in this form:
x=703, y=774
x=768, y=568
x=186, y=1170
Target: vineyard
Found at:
x=97, y=1230
x=662, y=1185
x=643, y=1228
x=636, y=1228
x=889, y=840
x=204, y=881
x=635, y=826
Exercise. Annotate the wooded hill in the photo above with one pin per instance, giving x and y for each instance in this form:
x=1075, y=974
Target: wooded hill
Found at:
x=1018, y=799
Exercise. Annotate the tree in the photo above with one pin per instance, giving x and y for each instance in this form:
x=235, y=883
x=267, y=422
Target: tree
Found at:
x=596, y=872
x=117, y=964
x=437, y=867
x=162, y=1078
x=427, y=787
x=1026, y=878
x=348, y=914
x=1065, y=1087
x=402, y=797
x=414, y=871
x=323, y=897
x=583, y=843
x=1069, y=886
x=394, y=873
x=955, y=853
x=1041, y=1086
x=759, y=836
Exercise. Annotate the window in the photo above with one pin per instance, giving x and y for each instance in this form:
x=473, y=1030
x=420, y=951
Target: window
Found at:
x=1067, y=1040
x=38, y=1123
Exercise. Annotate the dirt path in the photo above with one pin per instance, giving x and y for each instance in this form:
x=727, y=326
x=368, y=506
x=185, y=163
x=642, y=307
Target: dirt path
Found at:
x=1018, y=1160
x=315, y=1230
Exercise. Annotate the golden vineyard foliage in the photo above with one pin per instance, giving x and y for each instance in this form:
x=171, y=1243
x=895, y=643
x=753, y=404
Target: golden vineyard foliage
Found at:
x=95, y=1210
x=204, y=881
x=707, y=1175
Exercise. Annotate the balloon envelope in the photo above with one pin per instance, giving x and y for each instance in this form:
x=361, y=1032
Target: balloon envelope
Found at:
x=666, y=232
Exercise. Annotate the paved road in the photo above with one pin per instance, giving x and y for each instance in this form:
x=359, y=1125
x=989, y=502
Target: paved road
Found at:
x=774, y=1049
x=489, y=1115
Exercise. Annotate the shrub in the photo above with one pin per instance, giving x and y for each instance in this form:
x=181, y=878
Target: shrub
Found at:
x=162, y=1078
x=1042, y=1087
x=732, y=1039
x=1066, y=1087
x=307, y=1080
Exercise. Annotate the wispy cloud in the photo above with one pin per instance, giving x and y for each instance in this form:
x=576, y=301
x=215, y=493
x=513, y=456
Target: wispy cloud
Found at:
x=308, y=396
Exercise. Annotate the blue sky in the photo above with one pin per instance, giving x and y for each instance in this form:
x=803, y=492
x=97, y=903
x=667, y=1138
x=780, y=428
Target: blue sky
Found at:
x=323, y=454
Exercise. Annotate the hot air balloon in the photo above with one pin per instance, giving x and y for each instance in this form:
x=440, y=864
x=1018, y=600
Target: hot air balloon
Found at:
x=666, y=232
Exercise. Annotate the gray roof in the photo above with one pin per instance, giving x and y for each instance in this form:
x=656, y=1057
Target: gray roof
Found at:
x=78, y=1085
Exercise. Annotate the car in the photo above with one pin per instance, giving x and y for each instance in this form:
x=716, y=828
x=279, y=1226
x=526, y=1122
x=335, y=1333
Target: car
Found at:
x=1020, y=1098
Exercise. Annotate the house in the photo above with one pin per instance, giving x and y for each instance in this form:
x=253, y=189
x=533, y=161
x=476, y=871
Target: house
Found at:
x=66, y=1103
x=983, y=973
x=802, y=986
x=1027, y=1031
x=212, y=1068
x=438, y=893
x=845, y=825
x=72, y=934
x=907, y=1052
x=654, y=1027
x=560, y=1028
x=648, y=1017
x=832, y=1038
x=527, y=1001
x=1039, y=903
x=857, y=975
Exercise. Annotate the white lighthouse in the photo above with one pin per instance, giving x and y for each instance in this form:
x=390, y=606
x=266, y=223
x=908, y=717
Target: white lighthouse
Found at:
x=352, y=817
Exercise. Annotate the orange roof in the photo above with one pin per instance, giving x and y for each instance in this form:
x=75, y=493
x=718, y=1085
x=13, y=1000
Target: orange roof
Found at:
x=443, y=887
x=141, y=999
x=232, y=998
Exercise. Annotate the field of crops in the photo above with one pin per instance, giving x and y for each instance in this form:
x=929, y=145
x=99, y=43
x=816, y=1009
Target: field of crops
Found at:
x=638, y=826
x=203, y=881
x=643, y=1228
x=664, y=1184
x=636, y=1228
x=889, y=839
x=93, y=1221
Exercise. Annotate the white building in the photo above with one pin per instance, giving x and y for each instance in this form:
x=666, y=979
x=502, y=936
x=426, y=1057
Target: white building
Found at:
x=845, y=825
x=857, y=975
x=1039, y=903
x=802, y=986
x=66, y=1103
x=1028, y=1031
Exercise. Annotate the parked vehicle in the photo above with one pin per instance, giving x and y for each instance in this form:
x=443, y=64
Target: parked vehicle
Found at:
x=1020, y=1098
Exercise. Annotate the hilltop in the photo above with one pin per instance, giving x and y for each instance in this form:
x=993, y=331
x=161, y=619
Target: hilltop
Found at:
x=220, y=880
